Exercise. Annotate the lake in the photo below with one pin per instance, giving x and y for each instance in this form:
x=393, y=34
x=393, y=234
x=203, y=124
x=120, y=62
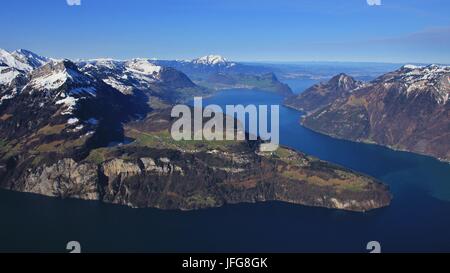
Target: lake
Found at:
x=418, y=220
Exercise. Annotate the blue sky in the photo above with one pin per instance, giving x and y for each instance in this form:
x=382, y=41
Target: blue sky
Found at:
x=246, y=30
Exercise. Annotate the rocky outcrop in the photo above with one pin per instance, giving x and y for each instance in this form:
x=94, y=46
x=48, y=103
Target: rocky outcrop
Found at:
x=66, y=178
x=164, y=168
x=118, y=167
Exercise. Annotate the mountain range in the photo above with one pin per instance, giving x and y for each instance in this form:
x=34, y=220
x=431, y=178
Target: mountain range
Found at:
x=100, y=130
x=407, y=109
x=216, y=72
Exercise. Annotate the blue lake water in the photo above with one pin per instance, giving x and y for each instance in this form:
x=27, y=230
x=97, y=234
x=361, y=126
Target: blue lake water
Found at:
x=300, y=85
x=418, y=219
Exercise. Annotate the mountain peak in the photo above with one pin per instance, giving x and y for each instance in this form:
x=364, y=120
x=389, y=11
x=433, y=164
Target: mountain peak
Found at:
x=210, y=60
x=322, y=94
x=341, y=77
x=410, y=67
x=143, y=66
x=344, y=82
x=415, y=80
x=55, y=74
x=22, y=59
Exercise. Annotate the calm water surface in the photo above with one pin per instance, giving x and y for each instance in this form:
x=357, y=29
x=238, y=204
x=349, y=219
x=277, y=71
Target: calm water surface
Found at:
x=417, y=220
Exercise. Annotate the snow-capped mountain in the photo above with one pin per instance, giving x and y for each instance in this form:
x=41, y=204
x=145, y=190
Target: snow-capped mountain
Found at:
x=24, y=70
x=125, y=76
x=58, y=103
x=15, y=68
x=212, y=60
x=144, y=67
x=414, y=80
x=32, y=59
x=36, y=91
x=9, y=78
x=203, y=67
x=407, y=109
x=54, y=75
x=21, y=59
x=140, y=75
x=83, y=90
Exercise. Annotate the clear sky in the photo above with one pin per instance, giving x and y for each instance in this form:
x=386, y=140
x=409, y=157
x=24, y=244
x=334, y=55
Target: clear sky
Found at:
x=246, y=30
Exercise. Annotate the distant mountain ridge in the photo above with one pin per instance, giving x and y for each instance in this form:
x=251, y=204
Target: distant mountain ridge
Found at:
x=216, y=72
x=213, y=60
x=211, y=64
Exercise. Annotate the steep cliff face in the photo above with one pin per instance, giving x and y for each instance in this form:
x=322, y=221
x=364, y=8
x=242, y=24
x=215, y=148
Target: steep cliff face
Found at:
x=407, y=109
x=65, y=178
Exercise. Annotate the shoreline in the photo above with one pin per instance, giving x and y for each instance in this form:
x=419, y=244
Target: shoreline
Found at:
x=375, y=143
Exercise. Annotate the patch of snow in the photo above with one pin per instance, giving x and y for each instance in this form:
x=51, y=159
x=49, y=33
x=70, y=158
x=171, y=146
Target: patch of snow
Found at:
x=72, y=121
x=57, y=79
x=102, y=62
x=69, y=102
x=143, y=66
x=50, y=82
x=11, y=61
x=417, y=79
x=21, y=59
x=210, y=60
x=118, y=85
x=6, y=97
x=79, y=127
x=30, y=58
x=411, y=66
x=7, y=75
